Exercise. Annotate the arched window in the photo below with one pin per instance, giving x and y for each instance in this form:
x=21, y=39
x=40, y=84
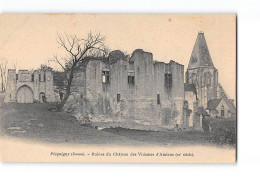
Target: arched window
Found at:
x=190, y=78
x=118, y=98
x=194, y=79
x=208, y=78
x=131, y=77
x=168, y=79
x=44, y=76
x=222, y=111
x=33, y=77
x=158, y=99
x=202, y=81
x=105, y=76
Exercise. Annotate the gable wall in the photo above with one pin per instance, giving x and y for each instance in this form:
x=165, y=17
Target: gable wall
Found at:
x=226, y=109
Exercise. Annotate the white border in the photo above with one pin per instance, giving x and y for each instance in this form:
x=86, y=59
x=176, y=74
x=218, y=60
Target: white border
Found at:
x=248, y=90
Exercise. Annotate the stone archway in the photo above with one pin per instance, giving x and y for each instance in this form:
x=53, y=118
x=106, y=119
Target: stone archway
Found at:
x=41, y=97
x=24, y=94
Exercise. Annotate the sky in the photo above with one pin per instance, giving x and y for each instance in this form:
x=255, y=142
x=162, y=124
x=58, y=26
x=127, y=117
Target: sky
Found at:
x=29, y=40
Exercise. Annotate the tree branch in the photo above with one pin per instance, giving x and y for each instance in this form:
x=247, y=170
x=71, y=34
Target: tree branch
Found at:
x=58, y=61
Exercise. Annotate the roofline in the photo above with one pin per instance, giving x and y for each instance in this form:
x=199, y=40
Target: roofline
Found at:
x=201, y=67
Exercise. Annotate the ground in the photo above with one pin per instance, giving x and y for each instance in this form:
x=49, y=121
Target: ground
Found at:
x=36, y=123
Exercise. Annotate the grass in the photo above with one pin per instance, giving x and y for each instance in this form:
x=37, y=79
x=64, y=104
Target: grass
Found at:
x=224, y=132
x=35, y=122
x=51, y=127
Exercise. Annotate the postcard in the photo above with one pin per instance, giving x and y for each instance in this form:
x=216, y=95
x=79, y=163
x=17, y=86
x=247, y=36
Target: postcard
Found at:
x=118, y=88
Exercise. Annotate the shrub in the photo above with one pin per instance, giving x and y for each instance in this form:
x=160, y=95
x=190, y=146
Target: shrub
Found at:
x=224, y=133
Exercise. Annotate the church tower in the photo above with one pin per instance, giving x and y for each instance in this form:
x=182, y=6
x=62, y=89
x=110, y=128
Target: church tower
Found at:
x=201, y=72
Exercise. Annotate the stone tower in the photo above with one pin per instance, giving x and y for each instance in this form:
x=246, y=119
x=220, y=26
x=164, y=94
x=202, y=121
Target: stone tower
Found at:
x=49, y=86
x=201, y=72
x=10, y=93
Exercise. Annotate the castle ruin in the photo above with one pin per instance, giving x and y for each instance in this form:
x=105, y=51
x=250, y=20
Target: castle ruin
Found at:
x=136, y=88
x=29, y=87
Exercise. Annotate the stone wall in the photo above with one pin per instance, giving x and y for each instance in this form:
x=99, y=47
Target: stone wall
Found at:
x=10, y=93
x=147, y=101
x=75, y=102
x=205, y=91
x=191, y=99
x=31, y=80
x=227, y=110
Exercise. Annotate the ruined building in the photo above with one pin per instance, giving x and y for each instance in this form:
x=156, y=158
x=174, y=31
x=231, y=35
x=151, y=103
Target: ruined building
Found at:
x=29, y=87
x=136, y=88
x=202, y=74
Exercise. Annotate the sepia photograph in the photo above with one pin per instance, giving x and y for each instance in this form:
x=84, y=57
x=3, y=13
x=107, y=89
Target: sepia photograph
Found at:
x=118, y=88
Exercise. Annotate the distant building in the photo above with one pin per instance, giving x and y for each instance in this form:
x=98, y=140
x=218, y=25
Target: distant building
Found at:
x=221, y=108
x=204, y=97
x=202, y=73
x=29, y=87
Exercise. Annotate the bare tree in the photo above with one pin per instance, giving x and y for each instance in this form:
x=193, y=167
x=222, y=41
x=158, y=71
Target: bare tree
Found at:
x=78, y=50
x=3, y=69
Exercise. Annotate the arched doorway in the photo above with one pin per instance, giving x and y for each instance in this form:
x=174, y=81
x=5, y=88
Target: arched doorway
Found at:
x=222, y=111
x=25, y=94
x=42, y=97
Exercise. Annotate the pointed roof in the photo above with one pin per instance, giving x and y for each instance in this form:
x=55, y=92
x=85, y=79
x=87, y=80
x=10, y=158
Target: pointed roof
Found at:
x=190, y=87
x=200, y=56
x=213, y=103
x=230, y=105
x=202, y=111
x=221, y=91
